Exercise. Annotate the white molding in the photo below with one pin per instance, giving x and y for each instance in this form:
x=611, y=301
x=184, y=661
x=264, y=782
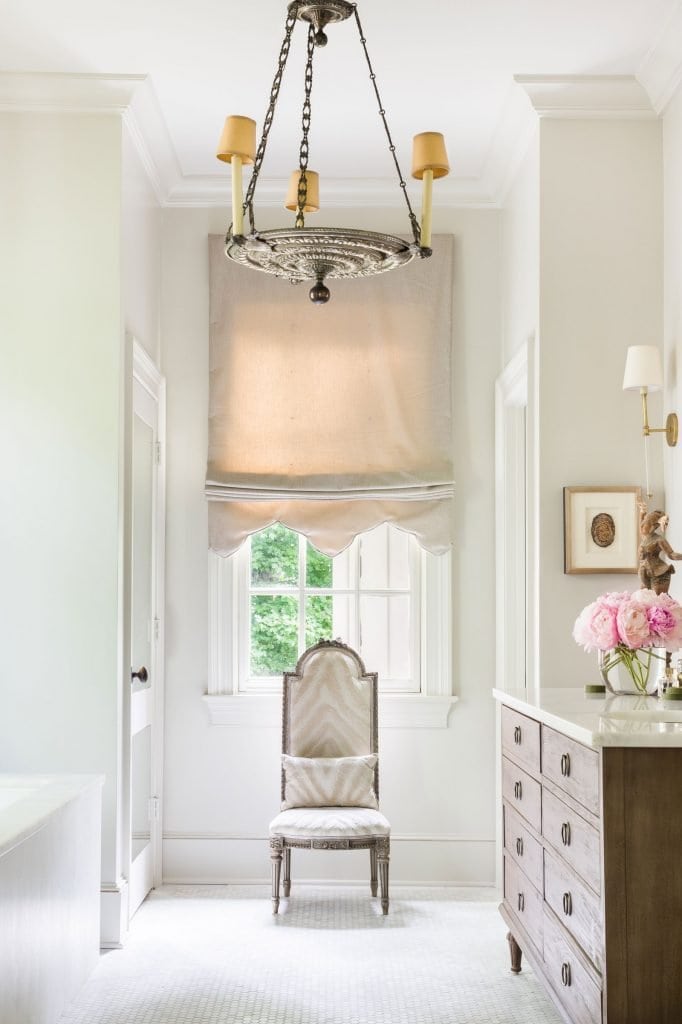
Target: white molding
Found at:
x=515, y=131
x=418, y=859
x=660, y=72
x=147, y=374
x=396, y=837
x=587, y=96
x=213, y=190
x=113, y=914
x=264, y=710
x=531, y=96
x=67, y=93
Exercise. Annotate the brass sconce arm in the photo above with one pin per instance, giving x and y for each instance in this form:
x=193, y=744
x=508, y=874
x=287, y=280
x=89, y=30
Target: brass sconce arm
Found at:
x=671, y=424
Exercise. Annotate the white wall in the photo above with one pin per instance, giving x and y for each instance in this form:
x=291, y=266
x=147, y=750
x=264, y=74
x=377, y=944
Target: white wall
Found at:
x=520, y=270
x=61, y=347
x=600, y=291
x=221, y=783
x=141, y=243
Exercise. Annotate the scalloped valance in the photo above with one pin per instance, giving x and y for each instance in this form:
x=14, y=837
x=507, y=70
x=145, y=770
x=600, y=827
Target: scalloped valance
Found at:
x=330, y=420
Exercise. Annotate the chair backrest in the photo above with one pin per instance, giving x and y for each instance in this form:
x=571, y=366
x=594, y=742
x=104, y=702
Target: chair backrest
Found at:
x=330, y=705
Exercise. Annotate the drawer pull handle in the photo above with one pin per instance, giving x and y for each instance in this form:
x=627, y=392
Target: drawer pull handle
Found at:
x=566, y=834
x=566, y=974
x=519, y=846
x=567, y=902
x=521, y=902
x=518, y=790
x=565, y=765
x=517, y=735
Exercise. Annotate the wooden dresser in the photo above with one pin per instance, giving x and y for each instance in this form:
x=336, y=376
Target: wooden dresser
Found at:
x=592, y=829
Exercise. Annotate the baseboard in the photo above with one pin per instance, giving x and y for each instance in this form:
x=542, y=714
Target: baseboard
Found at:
x=114, y=914
x=415, y=860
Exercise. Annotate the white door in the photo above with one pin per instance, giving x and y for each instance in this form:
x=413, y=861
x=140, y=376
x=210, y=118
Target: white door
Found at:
x=146, y=660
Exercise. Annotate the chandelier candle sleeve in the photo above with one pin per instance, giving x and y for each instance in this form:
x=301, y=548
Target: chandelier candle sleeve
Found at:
x=237, y=147
x=429, y=161
x=312, y=204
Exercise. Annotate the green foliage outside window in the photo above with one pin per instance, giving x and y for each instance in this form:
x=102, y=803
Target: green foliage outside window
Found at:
x=274, y=618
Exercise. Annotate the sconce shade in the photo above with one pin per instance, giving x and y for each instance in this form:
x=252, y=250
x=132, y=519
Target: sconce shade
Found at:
x=429, y=154
x=238, y=139
x=312, y=203
x=643, y=368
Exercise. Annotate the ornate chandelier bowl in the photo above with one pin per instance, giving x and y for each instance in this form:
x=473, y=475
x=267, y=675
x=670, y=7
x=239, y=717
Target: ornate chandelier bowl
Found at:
x=313, y=254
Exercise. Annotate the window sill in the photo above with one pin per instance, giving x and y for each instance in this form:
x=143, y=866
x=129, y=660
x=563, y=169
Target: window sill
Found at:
x=264, y=710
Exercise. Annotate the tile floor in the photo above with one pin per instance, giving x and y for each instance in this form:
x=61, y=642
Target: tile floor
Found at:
x=216, y=955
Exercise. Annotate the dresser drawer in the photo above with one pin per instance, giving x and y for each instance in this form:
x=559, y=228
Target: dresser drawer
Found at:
x=524, y=900
x=522, y=846
x=522, y=792
x=521, y=738
x=572, y=767
x=573, y=838
x=575, y=905
x=568, y=977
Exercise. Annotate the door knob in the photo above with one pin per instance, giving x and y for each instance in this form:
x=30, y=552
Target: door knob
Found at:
x=141, y=674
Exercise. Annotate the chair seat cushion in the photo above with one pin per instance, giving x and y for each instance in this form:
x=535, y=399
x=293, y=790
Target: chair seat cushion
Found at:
x=332, y=822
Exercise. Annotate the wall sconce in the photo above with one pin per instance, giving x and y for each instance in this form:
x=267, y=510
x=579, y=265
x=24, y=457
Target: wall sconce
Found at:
x=644, y=373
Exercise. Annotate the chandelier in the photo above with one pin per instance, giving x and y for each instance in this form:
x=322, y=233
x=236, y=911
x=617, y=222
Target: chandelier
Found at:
x=317, y=254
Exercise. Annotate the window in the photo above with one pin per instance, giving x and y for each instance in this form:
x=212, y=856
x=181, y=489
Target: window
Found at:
x=290, y=595
x=383, y=595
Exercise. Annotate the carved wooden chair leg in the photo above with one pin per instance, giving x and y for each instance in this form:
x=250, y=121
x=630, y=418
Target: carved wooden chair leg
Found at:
x=276, y=858
x=373, y=869
x=287, y=871
x=515, y=953
x=383, y=856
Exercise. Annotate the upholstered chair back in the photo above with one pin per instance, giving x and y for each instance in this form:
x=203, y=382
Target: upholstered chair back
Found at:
x=330, y=705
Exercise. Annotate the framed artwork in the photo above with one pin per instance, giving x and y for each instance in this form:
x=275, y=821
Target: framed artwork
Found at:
x=601, y=529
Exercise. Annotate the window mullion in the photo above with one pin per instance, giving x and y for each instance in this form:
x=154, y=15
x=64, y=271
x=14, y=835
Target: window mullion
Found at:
x=301, y=593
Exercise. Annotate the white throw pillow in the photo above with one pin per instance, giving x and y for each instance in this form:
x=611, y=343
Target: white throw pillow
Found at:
x=329, y=781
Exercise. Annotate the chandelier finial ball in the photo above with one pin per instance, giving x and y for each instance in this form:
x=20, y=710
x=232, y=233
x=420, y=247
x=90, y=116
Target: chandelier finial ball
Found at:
x=319, y=293
x=320, y=38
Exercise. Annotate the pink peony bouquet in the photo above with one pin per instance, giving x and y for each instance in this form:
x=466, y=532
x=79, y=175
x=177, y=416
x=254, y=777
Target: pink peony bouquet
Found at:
x=630, y=625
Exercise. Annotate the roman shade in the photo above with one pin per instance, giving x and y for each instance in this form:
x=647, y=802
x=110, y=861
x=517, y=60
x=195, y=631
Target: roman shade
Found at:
x=330, y=420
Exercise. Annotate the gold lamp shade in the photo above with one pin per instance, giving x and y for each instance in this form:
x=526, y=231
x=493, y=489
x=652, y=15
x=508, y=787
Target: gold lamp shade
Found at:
x=429, y=154
x=238, y=139
x=312, y=203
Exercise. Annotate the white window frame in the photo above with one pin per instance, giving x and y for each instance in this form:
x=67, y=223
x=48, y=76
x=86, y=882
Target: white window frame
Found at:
x=246, y=683
x=260, y=705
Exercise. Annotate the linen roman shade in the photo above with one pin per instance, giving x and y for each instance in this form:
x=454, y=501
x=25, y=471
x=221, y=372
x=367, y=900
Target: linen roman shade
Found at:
x=330, y=420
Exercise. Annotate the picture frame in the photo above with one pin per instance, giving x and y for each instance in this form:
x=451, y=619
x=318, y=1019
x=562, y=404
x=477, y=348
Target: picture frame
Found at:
x=601, y=529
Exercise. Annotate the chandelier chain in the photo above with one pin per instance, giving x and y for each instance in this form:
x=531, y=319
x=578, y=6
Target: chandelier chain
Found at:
x=270, y=113
x=305, y=124
x=416, y=230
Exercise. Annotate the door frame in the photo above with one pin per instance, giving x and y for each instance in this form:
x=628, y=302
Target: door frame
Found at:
x=148, y=376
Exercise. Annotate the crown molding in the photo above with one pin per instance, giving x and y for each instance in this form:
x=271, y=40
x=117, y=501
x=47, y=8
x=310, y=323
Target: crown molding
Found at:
x=531, y=97
x=660, y=72
x=61, y=93
x=587, y=96
x=513, y=135
x=213, y=190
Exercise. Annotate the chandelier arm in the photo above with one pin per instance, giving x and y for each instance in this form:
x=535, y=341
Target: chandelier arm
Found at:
x=270, y=113
x=305, y=123
x=416, y=230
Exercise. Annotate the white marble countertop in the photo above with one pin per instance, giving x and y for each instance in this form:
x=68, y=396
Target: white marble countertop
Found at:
x=601, y=720
x=28, y=801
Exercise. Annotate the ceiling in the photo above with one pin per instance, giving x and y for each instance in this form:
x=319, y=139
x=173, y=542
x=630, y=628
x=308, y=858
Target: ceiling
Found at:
x=441, y=66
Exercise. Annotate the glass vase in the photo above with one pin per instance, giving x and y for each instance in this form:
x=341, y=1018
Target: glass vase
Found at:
x=629, y=672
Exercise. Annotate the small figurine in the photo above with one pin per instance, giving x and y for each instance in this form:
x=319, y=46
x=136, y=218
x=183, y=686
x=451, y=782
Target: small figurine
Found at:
x=654, y=571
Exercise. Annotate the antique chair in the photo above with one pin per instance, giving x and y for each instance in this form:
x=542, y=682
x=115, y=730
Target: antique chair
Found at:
x=330, y=771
